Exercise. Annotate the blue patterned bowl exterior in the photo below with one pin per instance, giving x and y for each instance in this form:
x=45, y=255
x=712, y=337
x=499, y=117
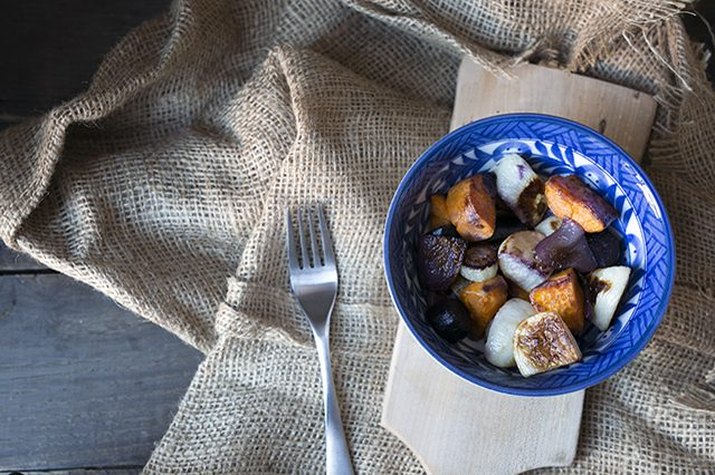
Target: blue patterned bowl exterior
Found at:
x=552, y=146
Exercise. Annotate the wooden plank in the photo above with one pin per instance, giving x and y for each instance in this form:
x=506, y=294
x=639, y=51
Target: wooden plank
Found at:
x=82, y=471
x=51, y=48
x=606, y=107
x=11, y=261
x=461, y=427
x=83, y=382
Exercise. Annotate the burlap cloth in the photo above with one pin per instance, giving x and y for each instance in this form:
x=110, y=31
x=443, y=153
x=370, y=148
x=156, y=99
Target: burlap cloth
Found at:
x=164, y=185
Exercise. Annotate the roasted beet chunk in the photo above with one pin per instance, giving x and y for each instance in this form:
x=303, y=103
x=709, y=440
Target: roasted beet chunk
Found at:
x=439, y=259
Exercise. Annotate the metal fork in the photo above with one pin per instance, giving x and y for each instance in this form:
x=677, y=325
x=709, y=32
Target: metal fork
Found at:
x=314, y=280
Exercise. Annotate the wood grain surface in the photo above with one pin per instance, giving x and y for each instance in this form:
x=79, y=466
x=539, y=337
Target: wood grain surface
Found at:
x=85, y=387
x=16, y=262
x=617, y=112
x=82, y=471
x=452, y=425
x=83, y=382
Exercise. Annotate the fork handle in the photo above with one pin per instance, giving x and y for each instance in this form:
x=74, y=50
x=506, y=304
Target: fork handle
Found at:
x=337, y=460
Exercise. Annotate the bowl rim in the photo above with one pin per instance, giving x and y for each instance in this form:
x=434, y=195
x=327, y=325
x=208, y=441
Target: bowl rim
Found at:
x=532, y=392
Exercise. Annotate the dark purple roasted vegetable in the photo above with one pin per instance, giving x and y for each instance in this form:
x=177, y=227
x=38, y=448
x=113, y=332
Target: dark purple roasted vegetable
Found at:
x=439, y=259
x=566, y=247
x=606, y=247
x=450, y=319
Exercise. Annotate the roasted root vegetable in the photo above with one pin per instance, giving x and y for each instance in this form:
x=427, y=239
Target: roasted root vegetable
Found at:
x=517, y=292
x=569, y=197
x=505, y=227
x=526, y=282
x=543, y=342
x=566, y=247
x=520, y=188
x=502, y=210
x=438, y=212
x=458, y=285
x=562, y=294
x=605, y=246
x=517, y=260
x=606, y=287
x=471, y=208
x=447, y=231
x=483, y=300
x=439, y=259
x=499, y=348
x=449, y=319
x=480, y=262
x=547, y=226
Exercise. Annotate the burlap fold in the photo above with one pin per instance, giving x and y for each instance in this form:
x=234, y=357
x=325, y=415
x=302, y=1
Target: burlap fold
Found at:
x=164, y=187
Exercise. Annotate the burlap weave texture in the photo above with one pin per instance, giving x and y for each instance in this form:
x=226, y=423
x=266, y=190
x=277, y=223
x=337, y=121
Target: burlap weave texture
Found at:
x=164, y=186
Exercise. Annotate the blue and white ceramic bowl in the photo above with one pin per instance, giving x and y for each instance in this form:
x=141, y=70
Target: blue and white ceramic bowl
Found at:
x=552, y=146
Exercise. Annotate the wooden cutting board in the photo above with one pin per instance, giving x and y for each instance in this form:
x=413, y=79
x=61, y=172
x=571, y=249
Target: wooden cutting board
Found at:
x=453, y=426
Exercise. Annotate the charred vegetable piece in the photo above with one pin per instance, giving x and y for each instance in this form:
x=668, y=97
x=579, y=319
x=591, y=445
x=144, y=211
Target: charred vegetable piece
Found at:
x=502, y=209
x=499, y=348
x=483, y=299
x=449, y=319
x=543, y=342
x=480, y=262
x=439, y=259
x=520, y=188
x=446, y=231
x=506, y=227
x=569, y=197
x=438, y=212
x=566, y=247
x=606, y=289
x=548, y=226
x=606, y=247
x=471, y=208
x=562, y=294
x=517, y=260
x=517, y=292
x=458, y=285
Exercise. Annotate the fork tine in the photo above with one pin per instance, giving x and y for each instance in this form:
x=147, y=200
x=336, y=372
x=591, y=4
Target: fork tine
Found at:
x=325, y=237
x=292, y=250
x=313, y=242
x=301, y=236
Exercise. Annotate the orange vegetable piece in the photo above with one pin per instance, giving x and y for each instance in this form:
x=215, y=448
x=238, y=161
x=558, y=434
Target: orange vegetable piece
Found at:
x=569, y=197
x=562, y=294
x=483, y=300
x=471, y=209
x=438, y=212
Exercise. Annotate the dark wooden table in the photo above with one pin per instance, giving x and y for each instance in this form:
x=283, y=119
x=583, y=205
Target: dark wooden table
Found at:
x=85, y=386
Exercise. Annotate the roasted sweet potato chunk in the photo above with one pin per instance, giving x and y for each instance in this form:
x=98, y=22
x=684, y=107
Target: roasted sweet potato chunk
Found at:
x=471, y=208
x=569, y=197
x=483, y=300
x=562, y=294
x=438, y=212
